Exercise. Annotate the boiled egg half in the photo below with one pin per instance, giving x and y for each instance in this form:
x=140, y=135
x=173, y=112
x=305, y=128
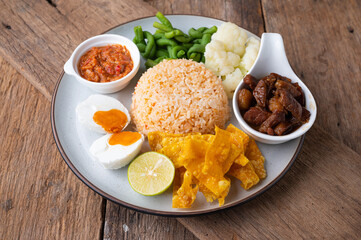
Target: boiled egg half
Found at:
x=117, y=150
x=102, y=114
x=107, y=115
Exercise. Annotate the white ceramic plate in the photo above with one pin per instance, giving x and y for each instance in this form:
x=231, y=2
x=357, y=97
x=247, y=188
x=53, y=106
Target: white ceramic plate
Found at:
x=74, y=141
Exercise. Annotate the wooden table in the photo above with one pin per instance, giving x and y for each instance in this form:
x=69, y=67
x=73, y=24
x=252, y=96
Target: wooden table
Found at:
x=40, y=198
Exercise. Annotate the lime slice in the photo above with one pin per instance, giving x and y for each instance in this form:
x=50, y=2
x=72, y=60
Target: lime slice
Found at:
x=151, y=173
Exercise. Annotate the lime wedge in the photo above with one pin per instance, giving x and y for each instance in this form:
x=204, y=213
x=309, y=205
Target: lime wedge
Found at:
x=151, y=173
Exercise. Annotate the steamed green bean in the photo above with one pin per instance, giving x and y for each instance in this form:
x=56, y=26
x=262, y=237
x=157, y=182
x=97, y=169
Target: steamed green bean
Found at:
x=161, y=53
x=194, y=33
x=163, y=19
x=206, y=38
x=162, y=27
x=183, y=39
x=150, y=44
x=211, y=30
x=170, y=43
x=166, y=42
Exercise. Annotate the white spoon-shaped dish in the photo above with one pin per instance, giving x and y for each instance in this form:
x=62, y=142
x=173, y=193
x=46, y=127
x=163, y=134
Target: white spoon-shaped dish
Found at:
x=272, y=59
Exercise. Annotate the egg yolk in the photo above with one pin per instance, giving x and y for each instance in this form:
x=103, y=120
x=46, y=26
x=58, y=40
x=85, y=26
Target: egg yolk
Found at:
x=112, y=121
x=124, y=138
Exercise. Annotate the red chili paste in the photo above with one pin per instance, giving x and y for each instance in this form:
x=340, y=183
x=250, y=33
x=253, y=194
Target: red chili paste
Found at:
x=105, y=64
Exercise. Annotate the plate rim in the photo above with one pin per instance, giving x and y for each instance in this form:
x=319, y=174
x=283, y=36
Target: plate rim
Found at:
x=143, y=209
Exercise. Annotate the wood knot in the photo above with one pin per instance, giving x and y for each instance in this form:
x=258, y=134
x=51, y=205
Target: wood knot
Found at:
x=7, y=26
x=52, y=3
x=350, y=29
x=8, y=205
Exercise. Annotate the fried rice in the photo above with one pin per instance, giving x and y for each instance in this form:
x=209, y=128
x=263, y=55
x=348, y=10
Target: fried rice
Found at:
x=179, y=96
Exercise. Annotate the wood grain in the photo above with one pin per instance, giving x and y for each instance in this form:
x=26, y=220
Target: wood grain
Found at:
x=319, y=198
x=121, y=223
x=322, y=40
x=244, y=13
x=37, y=37
x=40, y=198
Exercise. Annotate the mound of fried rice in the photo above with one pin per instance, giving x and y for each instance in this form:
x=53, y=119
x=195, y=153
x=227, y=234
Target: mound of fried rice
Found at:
x=179, y=96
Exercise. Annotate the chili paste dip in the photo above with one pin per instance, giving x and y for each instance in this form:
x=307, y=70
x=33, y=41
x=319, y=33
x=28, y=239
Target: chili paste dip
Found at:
x=105, y=64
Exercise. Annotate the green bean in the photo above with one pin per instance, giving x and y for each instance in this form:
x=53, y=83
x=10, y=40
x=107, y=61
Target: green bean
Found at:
x=206, y=38
x=194, y=33
x=158, y=60
x=152, y=52
x=203, y=59
x=183, y=39
x=162, y=27
x=150, y=44
x=139, y=37
x=170, y=34
x=195, y=57
x=159, y=31
x=158, y=35
x=181, y=53
x=141, y=47
x=202, y=29
x=198, y=48
x=150, y=63
x=187, y=45
x=163, y=19
x=198, y=41
x=170, y=52
x=161, y=53
x=198, y=57
x=176, y=50
x=211, y=30
x=173, y=33
x=166, y=42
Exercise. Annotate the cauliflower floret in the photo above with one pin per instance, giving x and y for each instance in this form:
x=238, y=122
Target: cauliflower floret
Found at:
x=230, y=55
x=249, y=57
x=231, y=82
x=233, y=37
x=219, y=60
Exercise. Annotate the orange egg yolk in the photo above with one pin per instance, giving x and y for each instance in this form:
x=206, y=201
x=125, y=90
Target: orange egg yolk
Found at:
x=124, y=138
x=112, y=121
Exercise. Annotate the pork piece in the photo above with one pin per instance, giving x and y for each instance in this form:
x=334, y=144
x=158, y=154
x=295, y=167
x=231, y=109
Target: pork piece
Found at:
x=250, y=81
x=290, y=104
x=270, y=131
x=260, y=93
x=288, y=87
x=272, y=121
x=279, y=77
x=270, y=81
x=256, y=116
x=301, y=99
x=305, y=115
x=287, y=127
x=274, y=104
x=245, y=98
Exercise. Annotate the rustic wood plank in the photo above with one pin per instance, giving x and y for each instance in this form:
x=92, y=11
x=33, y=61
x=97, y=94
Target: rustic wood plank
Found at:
x=38, y=37
x=319, y=198
x=40, y=198
x=323, y=41
x=73, y=15
x=121, y=223
x=324, y=62
x=244, y=13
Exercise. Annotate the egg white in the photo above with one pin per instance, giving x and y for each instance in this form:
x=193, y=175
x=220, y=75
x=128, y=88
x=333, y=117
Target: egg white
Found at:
x=96, y=102
x=114, y=156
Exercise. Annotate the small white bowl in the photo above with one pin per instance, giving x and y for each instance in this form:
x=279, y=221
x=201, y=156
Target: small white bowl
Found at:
x=71, y=66
x=272, y=58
